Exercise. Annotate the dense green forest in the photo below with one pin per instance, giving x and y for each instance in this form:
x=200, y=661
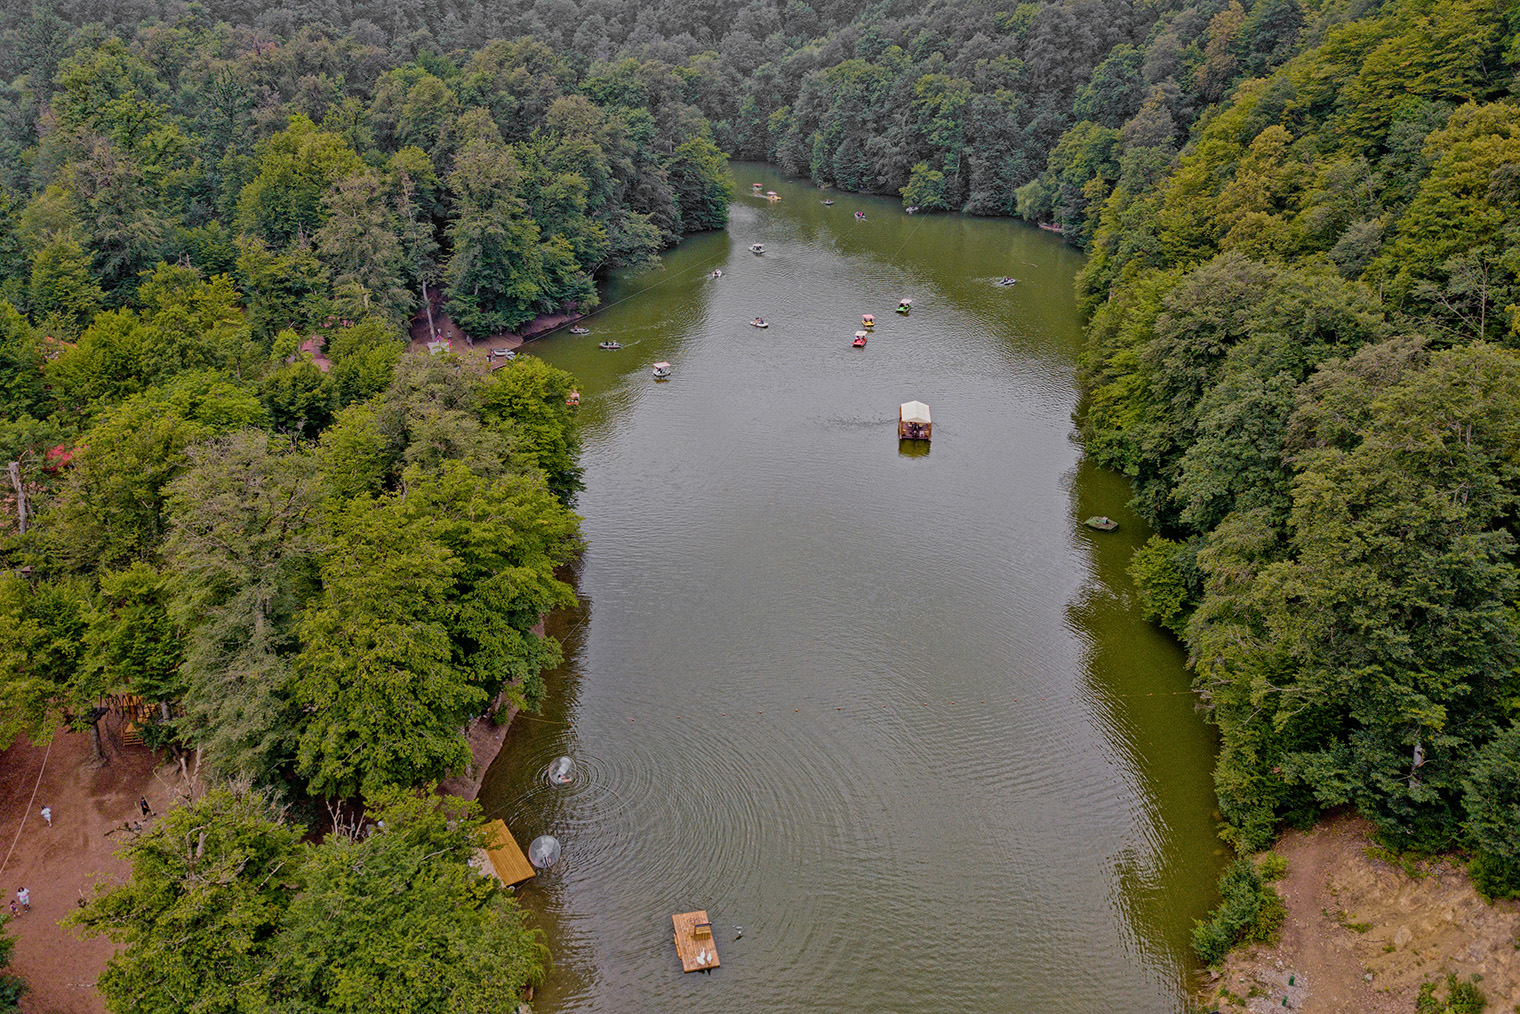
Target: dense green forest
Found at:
x=237, y=492
x=1301, y=219
x=1302, y=352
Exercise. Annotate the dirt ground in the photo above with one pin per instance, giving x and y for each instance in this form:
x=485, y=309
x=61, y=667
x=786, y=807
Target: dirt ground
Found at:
x=61, y=864
x=1362, y=934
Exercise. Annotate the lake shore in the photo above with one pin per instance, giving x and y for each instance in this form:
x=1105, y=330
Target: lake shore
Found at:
x=1361, y=933
x=485, y=733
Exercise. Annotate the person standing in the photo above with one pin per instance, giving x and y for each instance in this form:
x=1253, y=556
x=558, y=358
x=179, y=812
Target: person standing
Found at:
x=147, y=811
x=25, y=897
x=47, y=815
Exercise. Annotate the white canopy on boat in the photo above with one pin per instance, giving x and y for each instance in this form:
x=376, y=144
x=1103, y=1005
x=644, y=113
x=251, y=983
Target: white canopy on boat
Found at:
x=915, y=412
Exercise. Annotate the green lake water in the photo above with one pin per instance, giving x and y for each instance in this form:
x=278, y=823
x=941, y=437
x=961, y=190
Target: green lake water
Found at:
x=893, y=713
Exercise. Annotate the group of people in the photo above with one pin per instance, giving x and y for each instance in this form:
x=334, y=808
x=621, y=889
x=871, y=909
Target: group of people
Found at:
x=22, y=902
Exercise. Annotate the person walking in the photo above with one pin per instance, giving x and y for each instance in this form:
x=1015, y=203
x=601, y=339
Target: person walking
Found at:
x=15, y=909
x=147, y=811
x=47, y=815
x=25, y=897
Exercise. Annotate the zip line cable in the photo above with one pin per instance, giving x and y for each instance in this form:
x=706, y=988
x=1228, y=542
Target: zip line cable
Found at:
x=24, y=813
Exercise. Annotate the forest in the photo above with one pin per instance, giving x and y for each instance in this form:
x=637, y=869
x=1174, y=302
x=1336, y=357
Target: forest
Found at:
x=1304, y=300
x=238, y=493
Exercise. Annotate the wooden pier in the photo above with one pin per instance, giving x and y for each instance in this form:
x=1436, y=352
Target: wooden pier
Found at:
x=504, y=858
x=694, y=941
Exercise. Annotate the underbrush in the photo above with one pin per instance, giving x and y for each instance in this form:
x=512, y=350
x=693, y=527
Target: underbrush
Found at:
x=1462, y=997
x=1249, y=910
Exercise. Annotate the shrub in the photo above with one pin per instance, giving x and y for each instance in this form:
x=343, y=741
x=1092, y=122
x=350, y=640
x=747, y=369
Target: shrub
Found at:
x=1495, y=876
x=1461, y=997
x=1165, y=574
x=1248, y=911
x=11, y=987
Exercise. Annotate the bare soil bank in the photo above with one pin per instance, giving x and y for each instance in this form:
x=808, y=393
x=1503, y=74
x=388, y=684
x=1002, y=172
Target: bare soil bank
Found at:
x=61, y=864
x=1361, y=934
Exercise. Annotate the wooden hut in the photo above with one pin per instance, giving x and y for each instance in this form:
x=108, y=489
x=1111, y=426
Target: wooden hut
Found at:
x=913, y=421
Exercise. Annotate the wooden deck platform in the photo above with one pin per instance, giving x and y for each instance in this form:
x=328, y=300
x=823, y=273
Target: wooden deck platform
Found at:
x=694, y=941
x=505, y=858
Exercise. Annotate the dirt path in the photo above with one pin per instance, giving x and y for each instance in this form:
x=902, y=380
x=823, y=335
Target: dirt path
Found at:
x=61, y=864
x=1361, y=934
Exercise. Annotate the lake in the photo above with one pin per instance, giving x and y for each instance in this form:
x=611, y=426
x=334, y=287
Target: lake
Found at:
x=894, y=713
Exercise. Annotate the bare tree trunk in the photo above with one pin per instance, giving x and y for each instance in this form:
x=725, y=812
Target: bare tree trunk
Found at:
x=14, y=468
x=98, y=744
x=427, y=304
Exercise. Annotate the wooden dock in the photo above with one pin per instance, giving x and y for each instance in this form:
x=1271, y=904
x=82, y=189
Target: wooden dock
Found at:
x=504, y=858
x=694, y=941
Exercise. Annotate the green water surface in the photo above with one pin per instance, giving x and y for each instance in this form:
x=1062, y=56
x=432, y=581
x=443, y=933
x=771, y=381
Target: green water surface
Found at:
x=893, y=713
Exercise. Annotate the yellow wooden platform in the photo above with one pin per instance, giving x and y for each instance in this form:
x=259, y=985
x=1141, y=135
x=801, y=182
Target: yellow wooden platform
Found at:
x=507, y=860
x=694, y=941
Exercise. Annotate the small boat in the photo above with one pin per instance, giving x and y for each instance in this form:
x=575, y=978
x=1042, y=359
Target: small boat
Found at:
x=912, y=208
x=771, y=195
x=574, y=399
x=661, y=371
x=609, y=346
x=580, y=330
x=904, y=306
x=757, y=248
x=867, y=320
x=913, y=421
x=717, y=273
x=1005, y=281
x=507, y=354
x=830, y=203
x=860, y=216
x=759, y=322
x=757, y=186
x=1101, y=523
x=1052, y=227
x=860, y=340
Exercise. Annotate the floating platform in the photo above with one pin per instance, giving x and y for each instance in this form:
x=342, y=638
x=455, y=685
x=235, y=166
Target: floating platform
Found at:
x=504, y=858
x=694, y=941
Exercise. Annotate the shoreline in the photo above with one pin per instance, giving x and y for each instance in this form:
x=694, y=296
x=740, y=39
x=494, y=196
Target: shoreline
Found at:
x=1362, y=933
x=486, y=735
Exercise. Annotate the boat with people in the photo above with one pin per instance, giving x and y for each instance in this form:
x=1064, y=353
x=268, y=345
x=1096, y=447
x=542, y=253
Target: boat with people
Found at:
x=913, y=422
x=580, y=330
x=860, y=340
x=574, y=399
x=717, y=272
x=860, y=216
x=661, y=371
x=771, y=195
x=829, y=203
x=912, y=208
x=610, y=346
x=1006, y=281
x=757, y=248
x=905, y=305
x=757, y=186
x=759, y=322
x=867, y=320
